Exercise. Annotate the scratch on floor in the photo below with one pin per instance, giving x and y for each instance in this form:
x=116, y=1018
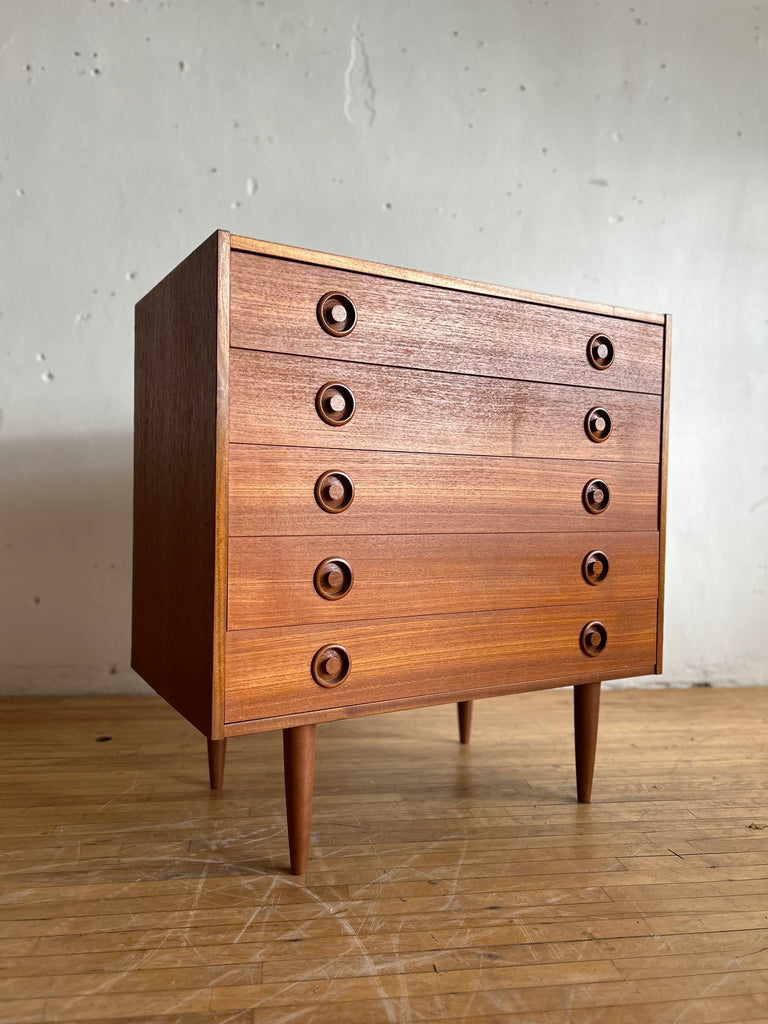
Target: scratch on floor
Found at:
x=392, y=1014
x=197, y=894
x=117, y=796
x=265, y=898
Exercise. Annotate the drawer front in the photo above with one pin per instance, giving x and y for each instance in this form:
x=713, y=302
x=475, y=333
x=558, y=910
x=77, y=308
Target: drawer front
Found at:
x=297, y=580
x=269, y=671
x=272, y=493
x=274, y=303
x=274, y=400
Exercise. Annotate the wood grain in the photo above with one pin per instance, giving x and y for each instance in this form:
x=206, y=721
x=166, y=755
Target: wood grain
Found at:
x=272, y=401
x=271, y=492
x=174, y=639
x=271, y=579
x=268, y=669
x=323, y=259
x=663, y=471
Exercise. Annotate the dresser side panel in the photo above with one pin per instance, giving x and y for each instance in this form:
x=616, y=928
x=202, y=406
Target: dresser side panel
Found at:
x=174, y=546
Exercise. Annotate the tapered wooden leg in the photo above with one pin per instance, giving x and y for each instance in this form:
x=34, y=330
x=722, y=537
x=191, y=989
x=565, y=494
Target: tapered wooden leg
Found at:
x=299, y=767
x=217, y=751
x=586, y=711
x=465, y=720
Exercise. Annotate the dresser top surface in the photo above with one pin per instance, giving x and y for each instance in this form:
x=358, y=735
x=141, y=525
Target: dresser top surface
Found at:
x=289, y=252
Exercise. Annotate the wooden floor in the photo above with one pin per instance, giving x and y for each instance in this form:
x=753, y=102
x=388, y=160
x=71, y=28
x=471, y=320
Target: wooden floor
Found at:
x=445, y=884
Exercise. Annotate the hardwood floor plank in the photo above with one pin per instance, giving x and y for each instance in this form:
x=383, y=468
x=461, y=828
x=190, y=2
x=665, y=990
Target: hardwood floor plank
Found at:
x=726, y=1010
x=531, y=988
x=225, y=1017
x=389, y=915
x=139, y=978
x=341, y=990
x=22, y=1011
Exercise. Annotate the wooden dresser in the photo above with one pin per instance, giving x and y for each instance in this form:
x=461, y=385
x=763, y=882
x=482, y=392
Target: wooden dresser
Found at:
x=360, y=489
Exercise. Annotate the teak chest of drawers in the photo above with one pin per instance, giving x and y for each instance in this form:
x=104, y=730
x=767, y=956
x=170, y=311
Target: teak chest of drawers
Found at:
x=360, y=489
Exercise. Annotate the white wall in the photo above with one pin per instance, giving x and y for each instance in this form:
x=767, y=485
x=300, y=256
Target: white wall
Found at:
x=610, y=151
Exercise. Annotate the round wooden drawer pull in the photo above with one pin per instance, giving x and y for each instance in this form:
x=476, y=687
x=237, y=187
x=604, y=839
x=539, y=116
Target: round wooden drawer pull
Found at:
x=596, y=496
x=334, y=491
x=600, y=351
x=331, y=665
x=595, y=567
x=594, y=637
x=336, y=313
x=333, y=578
x=335, y=403
x=597, y=424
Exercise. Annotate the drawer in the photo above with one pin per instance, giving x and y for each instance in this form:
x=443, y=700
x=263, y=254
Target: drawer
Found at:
x=274, y=399
x=274, y=305
x=272, y=492
x=295, y=580
x=269, y=671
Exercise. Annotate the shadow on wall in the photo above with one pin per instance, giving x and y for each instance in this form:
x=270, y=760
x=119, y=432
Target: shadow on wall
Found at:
x=65, y=565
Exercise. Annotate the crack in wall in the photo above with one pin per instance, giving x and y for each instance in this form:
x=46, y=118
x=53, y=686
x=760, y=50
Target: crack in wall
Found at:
x=359, y=90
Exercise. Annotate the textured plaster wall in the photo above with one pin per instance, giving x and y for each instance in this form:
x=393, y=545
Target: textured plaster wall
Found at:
x=615, y=151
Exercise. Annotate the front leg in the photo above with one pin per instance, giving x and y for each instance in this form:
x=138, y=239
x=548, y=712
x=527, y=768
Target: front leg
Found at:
x=217, y=751
x=586, y=710
x=299, y=768
x=465, y=720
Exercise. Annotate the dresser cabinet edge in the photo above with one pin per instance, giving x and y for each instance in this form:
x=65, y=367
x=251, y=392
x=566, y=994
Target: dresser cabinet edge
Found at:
x=222, y=485
x=663, y=464
x=248, y=726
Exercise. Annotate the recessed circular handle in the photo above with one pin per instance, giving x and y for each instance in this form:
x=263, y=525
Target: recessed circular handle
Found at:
x=336, y=313
x=595, y=567
x=596, y=496
x=331, y=665
x=594, y=637
x=334, y=491
x=333, y=578
x=600, y=351
x=597, y=424
x=335, y=403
